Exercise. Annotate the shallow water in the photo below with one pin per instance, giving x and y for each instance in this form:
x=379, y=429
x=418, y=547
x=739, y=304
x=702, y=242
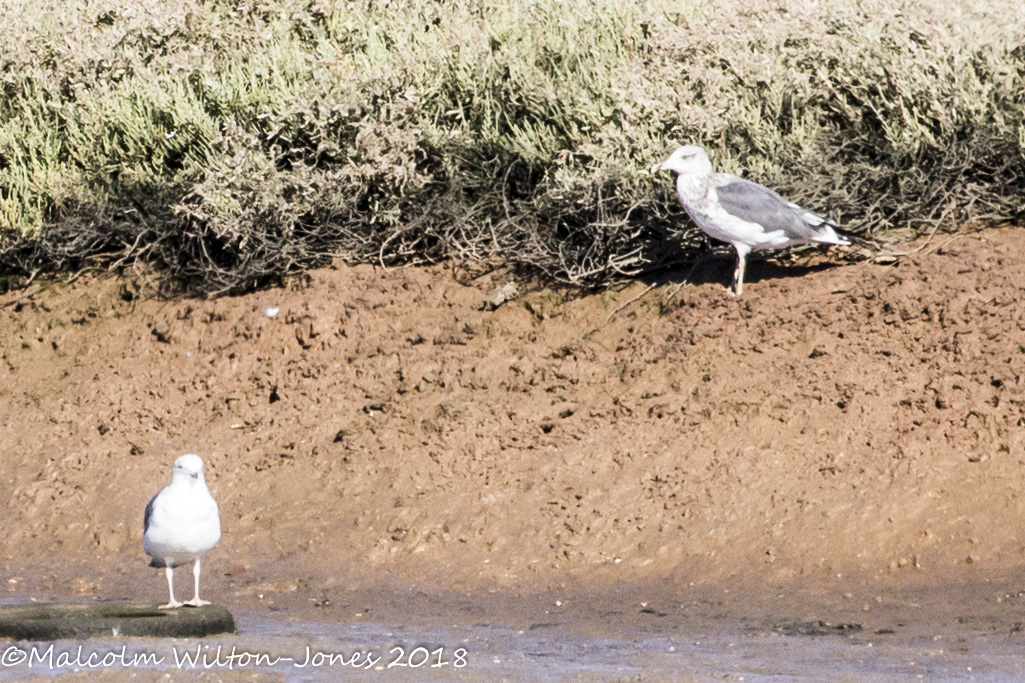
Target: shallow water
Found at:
x=312, y=651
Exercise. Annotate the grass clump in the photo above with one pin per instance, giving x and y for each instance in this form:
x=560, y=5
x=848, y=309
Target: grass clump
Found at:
x=231, y=143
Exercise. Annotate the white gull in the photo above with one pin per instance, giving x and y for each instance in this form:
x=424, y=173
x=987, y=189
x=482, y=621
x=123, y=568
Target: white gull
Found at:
x=181, y=523
x=745, y=214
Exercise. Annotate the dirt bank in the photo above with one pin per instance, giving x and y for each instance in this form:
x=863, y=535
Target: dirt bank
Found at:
x=861, y=420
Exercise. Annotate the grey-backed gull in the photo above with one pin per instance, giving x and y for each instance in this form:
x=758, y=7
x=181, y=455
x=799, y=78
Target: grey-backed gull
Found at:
x=745, y=214
x=181, y=523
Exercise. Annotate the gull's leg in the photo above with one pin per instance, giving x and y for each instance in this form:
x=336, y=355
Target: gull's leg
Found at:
x=738, y=275
x=169, y=573
x=195, y=601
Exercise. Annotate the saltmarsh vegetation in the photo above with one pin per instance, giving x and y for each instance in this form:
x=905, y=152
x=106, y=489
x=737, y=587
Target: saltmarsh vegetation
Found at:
x=230, y=142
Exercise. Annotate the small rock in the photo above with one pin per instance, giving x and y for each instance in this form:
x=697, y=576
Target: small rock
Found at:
x=498, y=297
x=162, y=332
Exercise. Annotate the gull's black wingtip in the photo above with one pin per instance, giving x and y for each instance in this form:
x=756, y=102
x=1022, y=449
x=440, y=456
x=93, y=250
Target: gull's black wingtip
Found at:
x=860, y=241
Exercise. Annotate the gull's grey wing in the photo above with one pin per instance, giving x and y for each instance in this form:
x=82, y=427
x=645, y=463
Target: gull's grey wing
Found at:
x=147, y=515
x=758, y=204
x=812, y=218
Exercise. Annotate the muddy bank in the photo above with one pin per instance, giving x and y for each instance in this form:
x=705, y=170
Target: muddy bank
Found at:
x=854, y=421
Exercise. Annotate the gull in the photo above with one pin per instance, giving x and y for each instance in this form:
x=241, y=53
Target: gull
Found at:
x=181, y=523
x=745, y=214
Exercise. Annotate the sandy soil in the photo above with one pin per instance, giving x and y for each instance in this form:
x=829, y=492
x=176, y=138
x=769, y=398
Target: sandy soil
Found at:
x=384, y=442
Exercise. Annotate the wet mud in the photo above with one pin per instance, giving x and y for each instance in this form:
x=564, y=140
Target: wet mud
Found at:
x=661, y=459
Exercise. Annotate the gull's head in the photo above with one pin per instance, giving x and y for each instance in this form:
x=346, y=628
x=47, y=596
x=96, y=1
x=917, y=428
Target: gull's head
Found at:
x=188, y=466
x=687, y=160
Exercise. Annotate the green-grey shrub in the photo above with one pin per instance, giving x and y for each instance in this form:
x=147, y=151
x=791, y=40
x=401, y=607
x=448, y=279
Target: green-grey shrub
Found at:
x=233, y=142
